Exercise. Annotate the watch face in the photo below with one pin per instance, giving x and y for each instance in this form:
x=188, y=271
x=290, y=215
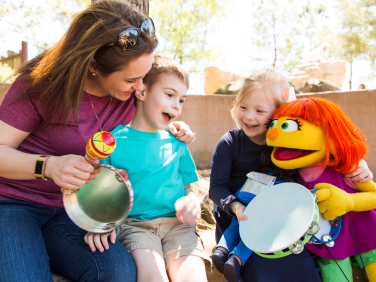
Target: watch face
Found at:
x=39, y=167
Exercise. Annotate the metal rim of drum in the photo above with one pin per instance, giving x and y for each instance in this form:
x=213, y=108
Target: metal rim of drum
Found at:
x=329, y=239
x=84, y=221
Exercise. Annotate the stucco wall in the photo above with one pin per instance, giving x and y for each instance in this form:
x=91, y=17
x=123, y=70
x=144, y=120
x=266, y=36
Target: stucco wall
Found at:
x=3, y=89
x=210, y=118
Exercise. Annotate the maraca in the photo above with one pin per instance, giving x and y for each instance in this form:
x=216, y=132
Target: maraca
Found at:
x=100, y=146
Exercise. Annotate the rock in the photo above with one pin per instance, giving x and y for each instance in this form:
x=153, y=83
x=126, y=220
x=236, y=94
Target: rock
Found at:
x=318, y=85
x=333, y=72
x=231, y=88
x=207, y=213
x=208, y=238
x=215, y=78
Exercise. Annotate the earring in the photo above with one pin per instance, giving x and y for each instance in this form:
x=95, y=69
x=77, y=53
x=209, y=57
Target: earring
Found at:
x=94, y=74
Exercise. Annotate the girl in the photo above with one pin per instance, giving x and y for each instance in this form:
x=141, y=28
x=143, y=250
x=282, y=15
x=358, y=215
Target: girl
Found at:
x=239, y=152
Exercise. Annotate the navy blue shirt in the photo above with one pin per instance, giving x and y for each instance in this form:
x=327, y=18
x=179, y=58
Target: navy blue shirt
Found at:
x=235, y=156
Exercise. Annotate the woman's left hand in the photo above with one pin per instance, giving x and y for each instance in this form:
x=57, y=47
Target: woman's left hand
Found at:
x=182, y=132
x=362, y=174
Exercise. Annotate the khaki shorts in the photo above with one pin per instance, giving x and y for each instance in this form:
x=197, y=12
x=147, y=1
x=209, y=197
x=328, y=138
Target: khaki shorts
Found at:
x=167, y=236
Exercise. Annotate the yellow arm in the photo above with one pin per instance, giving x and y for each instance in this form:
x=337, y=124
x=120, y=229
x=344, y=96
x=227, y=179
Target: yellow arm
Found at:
x=334, y=202
x=369, y=186
x=366, y=200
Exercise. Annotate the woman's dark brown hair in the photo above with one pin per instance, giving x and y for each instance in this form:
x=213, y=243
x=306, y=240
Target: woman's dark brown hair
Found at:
x=58, y=75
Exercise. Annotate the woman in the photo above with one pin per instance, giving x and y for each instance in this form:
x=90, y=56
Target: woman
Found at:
x=83, y=84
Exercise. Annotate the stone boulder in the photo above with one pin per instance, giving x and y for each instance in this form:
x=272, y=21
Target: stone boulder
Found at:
x=333, y=72
x=231, y=88
x=313, y=85
x=215, y=78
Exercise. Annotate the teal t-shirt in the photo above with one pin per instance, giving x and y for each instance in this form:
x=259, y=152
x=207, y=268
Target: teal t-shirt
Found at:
x=158, y=165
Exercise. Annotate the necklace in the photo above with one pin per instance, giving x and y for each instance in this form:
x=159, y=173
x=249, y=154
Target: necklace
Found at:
x=109, y=107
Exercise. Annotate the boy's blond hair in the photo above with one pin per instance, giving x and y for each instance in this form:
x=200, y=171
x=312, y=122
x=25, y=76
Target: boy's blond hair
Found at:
x=273, y=84
x=163, y=65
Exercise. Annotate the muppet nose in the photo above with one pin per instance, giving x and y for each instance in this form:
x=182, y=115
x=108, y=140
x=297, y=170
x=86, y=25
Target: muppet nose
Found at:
x=272, y=134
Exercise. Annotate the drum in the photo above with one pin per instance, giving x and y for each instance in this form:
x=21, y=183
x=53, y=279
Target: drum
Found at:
x=103, y=204
x=280, y=220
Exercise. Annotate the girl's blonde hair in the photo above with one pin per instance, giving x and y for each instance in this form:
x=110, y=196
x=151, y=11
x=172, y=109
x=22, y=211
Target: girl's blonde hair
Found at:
x=272, y=83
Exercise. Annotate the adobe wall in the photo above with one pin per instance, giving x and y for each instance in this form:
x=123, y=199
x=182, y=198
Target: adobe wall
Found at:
x=3, y=89
x=209, y=117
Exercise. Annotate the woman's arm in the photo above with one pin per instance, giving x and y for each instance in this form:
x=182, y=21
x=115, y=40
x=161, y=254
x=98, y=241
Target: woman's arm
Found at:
x=67, y=171
x=15, y=164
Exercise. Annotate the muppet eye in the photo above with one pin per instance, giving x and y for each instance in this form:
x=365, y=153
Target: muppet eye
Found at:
x=290, y=125
x=272, y=123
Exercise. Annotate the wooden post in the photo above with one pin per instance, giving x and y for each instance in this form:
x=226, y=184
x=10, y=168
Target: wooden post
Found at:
x=24, y=53
x=140, y=5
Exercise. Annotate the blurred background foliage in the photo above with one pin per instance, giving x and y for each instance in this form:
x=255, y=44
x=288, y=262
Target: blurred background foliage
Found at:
x=242, y=35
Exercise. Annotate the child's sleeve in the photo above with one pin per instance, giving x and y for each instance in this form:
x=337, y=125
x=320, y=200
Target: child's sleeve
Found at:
x=220, y=174
x=187, y=168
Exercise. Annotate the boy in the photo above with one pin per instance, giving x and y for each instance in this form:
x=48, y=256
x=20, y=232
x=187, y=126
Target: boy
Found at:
x=159, y=232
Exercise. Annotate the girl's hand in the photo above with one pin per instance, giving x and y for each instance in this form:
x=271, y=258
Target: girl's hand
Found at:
x=69, y=171
x=362, y=174
x=182, y=132
x=98, y=241
x=238, y=208
x=188, y=209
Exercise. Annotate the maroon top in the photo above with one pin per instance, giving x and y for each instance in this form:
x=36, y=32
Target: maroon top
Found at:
x=363, y=224
x=55, y=139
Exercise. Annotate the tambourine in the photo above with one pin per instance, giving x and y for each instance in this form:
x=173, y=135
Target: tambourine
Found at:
x=281, y=220
x=329, y=230
x=103, y=204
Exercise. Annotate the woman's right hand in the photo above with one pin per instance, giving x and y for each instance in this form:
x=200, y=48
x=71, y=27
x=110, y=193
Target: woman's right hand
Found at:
x=69, y=171
x=238, y=208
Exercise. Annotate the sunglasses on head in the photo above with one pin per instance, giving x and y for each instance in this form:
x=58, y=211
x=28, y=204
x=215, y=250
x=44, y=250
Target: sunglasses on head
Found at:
x=130, y=38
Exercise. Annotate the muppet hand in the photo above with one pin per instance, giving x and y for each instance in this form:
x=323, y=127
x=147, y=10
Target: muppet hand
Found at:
x=334, y=202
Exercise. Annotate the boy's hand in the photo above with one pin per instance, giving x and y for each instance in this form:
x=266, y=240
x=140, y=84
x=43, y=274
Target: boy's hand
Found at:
x=182, y=132
x=98, y=241
x=362, y=174
x=188, y=209
x=238, y=208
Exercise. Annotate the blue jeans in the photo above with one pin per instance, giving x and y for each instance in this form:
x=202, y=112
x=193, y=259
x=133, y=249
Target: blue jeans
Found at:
x=35, y=239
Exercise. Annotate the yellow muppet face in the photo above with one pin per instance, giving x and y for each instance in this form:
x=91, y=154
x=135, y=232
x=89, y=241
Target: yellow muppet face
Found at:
x=297, y=143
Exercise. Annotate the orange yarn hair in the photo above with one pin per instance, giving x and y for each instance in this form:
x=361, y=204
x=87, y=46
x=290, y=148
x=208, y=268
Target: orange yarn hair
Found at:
x=345, y=144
